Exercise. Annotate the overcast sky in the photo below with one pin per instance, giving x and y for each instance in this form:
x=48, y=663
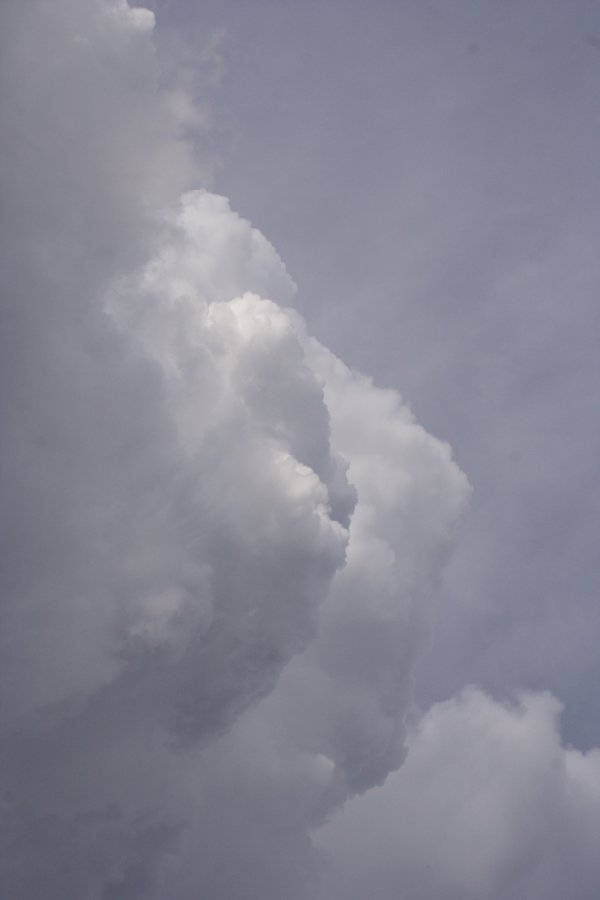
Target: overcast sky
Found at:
x=273, y=627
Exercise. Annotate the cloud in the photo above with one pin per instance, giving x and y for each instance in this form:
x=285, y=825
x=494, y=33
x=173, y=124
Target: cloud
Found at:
x=208, y=516
x=489, y=804
x=221, y=543
x=89, y=148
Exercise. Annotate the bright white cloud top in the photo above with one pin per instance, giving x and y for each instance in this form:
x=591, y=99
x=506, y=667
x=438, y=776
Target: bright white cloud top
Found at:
x=221, y=544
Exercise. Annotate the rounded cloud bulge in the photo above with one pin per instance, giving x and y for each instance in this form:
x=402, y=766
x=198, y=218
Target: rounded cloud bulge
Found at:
x=220, y=542
x=489, y=804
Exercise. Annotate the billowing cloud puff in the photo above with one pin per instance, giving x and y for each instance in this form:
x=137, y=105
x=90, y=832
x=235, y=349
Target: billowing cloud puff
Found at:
x=488, y=804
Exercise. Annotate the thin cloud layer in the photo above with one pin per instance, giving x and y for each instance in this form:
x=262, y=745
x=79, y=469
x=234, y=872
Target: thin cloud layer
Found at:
x=220, y=542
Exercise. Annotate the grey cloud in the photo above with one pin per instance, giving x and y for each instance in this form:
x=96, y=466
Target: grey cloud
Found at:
x=186, y=471
x=223, y=544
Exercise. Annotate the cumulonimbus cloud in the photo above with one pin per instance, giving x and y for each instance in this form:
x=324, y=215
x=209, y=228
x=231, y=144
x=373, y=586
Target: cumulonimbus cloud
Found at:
x=220, y=541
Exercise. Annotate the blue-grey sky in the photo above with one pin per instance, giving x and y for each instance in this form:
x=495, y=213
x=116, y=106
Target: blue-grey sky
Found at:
x=300, y=382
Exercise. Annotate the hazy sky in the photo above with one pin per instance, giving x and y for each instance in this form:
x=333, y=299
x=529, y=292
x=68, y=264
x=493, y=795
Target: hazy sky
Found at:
x=272, y=627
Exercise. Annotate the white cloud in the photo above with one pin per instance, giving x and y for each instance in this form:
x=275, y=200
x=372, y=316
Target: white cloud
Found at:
x=489, y=804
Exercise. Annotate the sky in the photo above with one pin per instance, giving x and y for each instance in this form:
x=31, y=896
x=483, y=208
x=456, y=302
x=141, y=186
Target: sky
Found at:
x=299, y=393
